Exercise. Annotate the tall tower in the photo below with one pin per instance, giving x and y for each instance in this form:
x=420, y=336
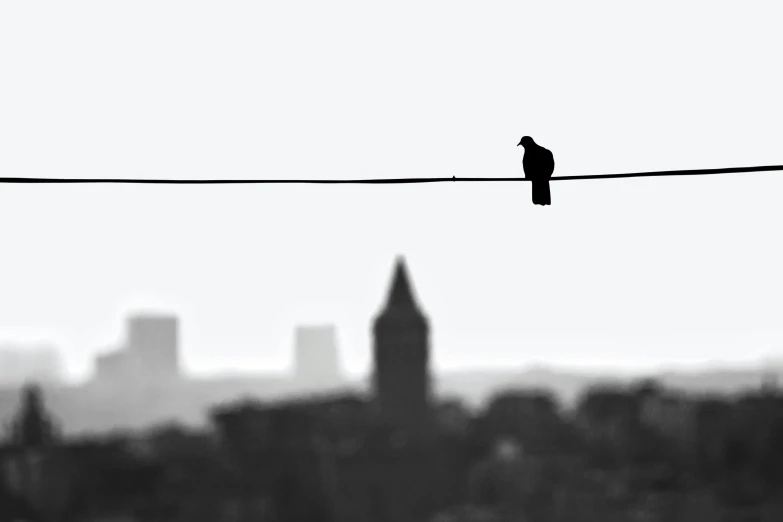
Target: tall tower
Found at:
x=401, y=379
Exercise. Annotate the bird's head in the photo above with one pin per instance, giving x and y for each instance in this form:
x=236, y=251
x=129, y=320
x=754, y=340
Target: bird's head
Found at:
x=525, y=141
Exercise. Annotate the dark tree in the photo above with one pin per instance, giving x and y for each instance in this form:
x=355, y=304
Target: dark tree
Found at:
x=32, y=427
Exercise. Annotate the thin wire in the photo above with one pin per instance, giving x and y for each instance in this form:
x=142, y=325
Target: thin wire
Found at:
x=384, y=181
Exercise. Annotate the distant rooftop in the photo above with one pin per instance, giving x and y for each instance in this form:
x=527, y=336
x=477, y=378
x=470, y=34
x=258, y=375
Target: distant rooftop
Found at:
x=151, y=315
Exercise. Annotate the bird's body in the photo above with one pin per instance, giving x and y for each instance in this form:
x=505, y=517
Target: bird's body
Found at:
x=539, y=164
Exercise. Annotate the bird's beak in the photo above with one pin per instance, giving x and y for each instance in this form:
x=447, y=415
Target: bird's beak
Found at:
x=520, y=143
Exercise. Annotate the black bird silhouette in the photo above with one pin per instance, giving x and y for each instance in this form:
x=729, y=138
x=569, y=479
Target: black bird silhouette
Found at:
x=539, y=164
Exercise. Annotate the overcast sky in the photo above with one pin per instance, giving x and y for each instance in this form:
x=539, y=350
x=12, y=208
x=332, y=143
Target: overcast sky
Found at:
x=627, y=273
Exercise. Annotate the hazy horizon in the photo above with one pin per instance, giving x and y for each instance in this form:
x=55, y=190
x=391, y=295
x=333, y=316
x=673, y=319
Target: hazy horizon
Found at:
x=634, y=273
x=617, y=367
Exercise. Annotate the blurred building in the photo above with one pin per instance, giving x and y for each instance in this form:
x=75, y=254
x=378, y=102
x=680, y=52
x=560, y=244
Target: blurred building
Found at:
x=401, y=377
x=154, y=342
x=117, y=367
x=317, y=360
x=150, y=354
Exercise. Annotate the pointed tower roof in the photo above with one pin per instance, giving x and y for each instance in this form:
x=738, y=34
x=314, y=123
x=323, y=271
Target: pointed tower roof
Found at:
x=400, y=298
x=400, y=293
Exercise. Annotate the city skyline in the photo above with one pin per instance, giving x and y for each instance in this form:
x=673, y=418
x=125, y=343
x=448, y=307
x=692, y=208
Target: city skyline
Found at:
x=301, y=261
x=631, y=273
x=295, y=357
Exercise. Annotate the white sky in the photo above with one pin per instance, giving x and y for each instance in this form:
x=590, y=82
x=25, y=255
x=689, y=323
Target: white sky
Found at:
x=622, y=272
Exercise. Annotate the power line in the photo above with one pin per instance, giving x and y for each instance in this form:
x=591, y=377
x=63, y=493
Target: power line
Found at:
x=385, y=181
x=696, y=172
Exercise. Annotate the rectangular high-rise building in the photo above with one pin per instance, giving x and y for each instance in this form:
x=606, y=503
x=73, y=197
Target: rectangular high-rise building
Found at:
x=153, y=341
x=317, y=362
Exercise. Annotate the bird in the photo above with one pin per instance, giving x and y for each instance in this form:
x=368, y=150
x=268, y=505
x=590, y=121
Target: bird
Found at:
x=539, y=164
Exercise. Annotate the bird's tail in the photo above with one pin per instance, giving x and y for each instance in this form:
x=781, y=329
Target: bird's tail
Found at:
x=541, y=195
